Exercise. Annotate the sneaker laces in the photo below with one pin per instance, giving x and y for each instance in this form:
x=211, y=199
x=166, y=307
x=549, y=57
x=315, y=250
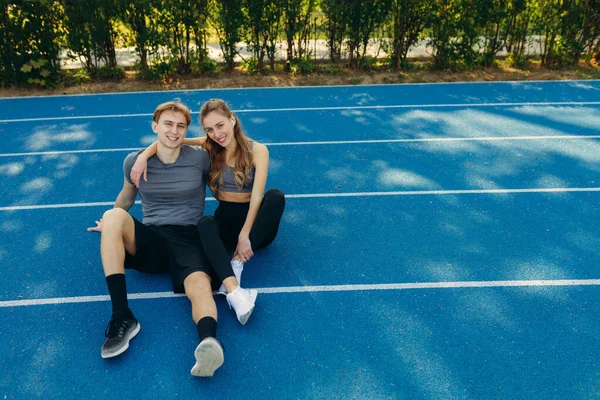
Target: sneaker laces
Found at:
x=238, y=292
x=228, y=301
x=116, y=328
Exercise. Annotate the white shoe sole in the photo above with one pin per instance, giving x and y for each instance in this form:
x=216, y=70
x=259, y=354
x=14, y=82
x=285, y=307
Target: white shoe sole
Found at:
x=209, y=357
x=124, y=348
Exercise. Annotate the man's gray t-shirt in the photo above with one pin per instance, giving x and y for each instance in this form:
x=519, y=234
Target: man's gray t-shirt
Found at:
x=174, y=193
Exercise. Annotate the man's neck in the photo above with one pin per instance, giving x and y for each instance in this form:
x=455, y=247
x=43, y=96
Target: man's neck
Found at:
x=167, y=155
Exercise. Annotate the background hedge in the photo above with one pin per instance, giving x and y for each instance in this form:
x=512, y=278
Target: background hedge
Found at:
x=171, y=36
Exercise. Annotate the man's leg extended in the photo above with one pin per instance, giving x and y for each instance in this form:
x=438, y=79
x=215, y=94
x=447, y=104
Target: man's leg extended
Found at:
x=118, y=237
x=209, y=353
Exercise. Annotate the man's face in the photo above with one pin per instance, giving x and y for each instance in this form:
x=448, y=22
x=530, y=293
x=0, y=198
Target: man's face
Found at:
x=171, y=128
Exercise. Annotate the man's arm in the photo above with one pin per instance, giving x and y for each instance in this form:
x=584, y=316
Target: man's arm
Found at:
x=125, y=200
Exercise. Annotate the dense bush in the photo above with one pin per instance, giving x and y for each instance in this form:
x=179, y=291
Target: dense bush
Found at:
x=29, y=43
x=171, y=36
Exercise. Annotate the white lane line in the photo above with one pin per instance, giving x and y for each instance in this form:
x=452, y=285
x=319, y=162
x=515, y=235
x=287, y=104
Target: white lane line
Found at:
x=331, y=142
x=324, y=288
x=67, y=205
x=351, y=194
x=60, y=152
x=340, y=108
x=358, y=87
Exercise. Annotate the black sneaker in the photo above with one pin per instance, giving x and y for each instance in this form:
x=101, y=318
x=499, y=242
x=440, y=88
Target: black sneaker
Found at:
x=118, y=334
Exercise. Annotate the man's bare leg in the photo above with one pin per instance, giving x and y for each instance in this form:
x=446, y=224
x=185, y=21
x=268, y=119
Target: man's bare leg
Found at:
x=209, y=353
x=118, y=236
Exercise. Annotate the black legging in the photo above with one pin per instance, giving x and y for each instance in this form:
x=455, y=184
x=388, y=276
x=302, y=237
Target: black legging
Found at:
x=219, y=234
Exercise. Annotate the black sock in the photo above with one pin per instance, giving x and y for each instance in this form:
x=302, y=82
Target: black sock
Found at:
x=207, y=327
x=118, y=296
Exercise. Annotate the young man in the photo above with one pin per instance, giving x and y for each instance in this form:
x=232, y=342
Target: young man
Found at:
x=167, y=240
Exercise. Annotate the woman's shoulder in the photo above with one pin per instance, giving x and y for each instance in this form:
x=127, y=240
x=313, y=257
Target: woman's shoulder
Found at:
x=258, y=148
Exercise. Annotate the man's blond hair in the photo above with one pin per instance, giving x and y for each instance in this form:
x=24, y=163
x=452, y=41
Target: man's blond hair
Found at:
x=174, y=106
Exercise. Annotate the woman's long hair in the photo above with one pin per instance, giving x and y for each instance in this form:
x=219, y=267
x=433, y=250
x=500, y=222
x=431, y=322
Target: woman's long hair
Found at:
x=242, y=156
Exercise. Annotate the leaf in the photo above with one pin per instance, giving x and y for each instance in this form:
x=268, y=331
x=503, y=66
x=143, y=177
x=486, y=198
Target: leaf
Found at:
x=26, y=68
x=38, y=64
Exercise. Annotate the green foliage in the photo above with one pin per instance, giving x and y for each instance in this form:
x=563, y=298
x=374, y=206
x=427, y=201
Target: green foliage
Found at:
x=517, y=30
x=493, y=16
x=302, y=66
x=139, y=15
x=184, y=22
x=36, y=67
x=364, y=17
x=160, y=70
x=109, y=73
x=568, y=29
x=516, y=60
x=408, y=21
x=170, y=36
x=350, y=25
x=227, y=19
x=335, y=24
x=91, y=31
x=262, y=30
x=204, y=66
x=29, y=43
x=331, y=69
x=443, y=24
x=251, y=66
x=456, y=27
x=368, y=63
x=77, y=76
x=297, y=27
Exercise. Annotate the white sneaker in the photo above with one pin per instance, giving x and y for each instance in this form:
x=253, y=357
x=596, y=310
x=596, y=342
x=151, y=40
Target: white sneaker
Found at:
x=242, y=301
x=237, y=267
x=209, y=357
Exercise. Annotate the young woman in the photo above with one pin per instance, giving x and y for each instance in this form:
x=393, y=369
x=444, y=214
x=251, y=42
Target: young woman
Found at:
x=247, y=218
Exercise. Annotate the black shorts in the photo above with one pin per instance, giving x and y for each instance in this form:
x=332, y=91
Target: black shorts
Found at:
x=173, y=249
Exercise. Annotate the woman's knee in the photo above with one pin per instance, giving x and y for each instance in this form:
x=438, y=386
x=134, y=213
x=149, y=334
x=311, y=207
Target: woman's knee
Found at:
x=275, y=198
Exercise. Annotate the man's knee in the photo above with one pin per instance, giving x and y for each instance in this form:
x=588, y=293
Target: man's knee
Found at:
x=115, y=218
x=197, y=285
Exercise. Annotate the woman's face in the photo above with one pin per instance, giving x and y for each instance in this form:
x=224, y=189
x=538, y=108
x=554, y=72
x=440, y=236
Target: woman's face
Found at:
x=219, y=128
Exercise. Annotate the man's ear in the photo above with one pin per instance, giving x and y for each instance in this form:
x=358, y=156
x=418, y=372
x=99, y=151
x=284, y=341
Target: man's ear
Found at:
x=154, y=126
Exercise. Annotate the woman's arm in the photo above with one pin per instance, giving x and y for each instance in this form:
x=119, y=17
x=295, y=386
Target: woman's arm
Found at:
x=141, y=164
x=199, y=141
x=261, y=165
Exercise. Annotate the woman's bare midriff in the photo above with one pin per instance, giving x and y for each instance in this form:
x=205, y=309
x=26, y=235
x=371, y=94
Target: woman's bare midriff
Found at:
x=235, y=197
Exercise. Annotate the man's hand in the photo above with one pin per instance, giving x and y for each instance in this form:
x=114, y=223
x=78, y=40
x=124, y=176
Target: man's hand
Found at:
x=139, y=168
x=244, y=248
x=97, y=228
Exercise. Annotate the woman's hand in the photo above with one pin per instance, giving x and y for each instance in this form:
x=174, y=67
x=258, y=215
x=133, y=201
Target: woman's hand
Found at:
x=97, y=228
x=140, y=167
x=244, y=248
